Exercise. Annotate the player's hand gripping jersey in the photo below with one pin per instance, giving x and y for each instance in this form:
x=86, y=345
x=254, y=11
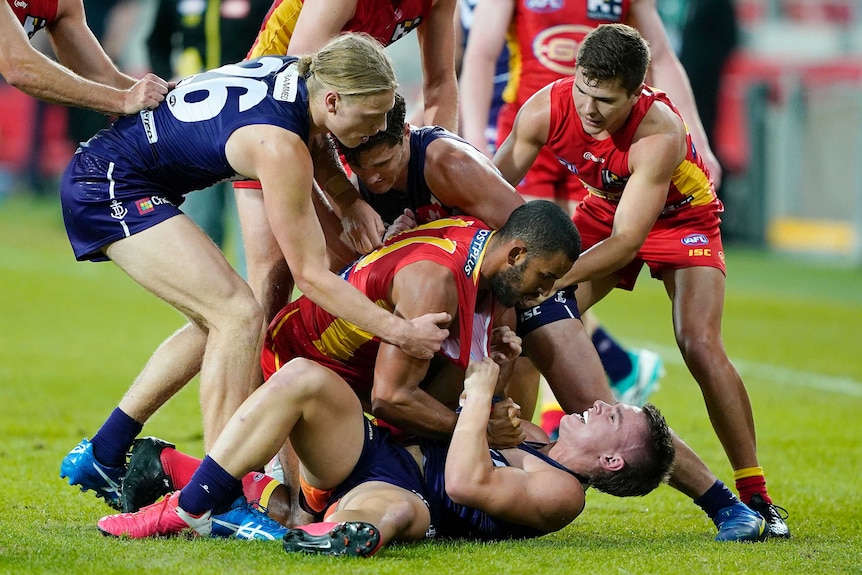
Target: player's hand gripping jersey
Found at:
x=303, y=329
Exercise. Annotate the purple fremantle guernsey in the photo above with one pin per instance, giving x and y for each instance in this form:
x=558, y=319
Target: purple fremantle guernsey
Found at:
x=134, y=175
x=181, y=144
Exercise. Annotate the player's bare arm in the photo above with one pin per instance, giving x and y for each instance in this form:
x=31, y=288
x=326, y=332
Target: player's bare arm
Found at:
x=437, y=48
x=529, y=133
x=362, y=227
x=78, y=49
x=460, y=176
x=32, y=72
x=657, y=150
x=479, y=66
x=418, y=289
x=318, y=22
x=529, y=492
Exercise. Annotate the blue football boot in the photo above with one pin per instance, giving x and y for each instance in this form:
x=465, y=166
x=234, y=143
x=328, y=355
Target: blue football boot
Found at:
x=81, y=467
x=246, y=520
x=739, y=523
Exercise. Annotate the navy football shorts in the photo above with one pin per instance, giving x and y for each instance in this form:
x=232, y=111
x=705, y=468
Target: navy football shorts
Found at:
x=104, y=202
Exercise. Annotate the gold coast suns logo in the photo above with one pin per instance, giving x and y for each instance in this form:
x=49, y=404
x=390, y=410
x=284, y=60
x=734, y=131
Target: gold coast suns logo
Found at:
x=612, y=181
x=556, y=48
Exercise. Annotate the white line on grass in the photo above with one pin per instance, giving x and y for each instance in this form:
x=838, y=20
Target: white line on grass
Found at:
x=774, y=373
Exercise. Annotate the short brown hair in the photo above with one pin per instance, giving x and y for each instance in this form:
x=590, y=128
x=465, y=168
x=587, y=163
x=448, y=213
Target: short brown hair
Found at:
x=641, y=475
x=614, y=52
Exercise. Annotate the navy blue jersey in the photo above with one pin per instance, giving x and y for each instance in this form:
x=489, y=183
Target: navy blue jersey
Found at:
x=384, y=460
x=181, y=144
x=454, y=520
x=418, y=196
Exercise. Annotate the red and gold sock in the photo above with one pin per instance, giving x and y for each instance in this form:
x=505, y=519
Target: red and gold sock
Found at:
x=257, y=486
x=750, y=481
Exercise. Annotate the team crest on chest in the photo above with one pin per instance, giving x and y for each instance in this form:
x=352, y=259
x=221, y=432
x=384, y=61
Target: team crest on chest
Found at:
x=32, y=24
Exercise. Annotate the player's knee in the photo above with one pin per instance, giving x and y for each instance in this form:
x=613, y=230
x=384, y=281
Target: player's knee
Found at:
x=299, y=377
x=246, y=314
x=237, y=321
x=404, y=520
x=698, y=347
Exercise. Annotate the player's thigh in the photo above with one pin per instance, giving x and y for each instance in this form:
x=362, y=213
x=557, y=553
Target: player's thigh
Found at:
x=697, y=295
x=176, y=261
x=329, y=435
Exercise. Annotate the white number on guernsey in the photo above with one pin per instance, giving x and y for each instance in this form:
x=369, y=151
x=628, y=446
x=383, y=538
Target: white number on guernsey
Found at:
x=205, y=95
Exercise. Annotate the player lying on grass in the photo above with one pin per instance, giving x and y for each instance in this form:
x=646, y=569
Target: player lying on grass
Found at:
x=370, y=491
x=413, y=274
x=427, y=173
x=455, y=264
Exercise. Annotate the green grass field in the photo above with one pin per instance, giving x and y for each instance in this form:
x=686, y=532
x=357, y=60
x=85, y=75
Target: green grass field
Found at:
x=74, y=335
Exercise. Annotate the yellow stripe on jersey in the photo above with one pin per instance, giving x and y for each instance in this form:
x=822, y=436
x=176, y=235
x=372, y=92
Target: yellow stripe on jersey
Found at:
x=278, y=326
x=692, y=181
x=445, y=223
x=341, y=339
x=510, y=92
x=275, y=36
x=442, y=243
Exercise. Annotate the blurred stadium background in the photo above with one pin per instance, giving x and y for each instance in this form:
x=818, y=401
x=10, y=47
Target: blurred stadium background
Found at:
x=788, y=118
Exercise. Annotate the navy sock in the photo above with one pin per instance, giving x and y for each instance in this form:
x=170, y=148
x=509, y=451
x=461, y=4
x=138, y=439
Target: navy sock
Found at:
x=210, y=487
x=616, y=361
x=716, y=498
x=113, y=440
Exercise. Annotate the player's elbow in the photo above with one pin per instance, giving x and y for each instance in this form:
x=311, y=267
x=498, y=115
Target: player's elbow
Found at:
x=308, y=280
x=463, y=486
x=19, y=72
x=385, y=405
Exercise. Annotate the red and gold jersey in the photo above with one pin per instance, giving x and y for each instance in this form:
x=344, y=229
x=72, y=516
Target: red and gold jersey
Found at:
x=602, y=166
x=385, y=20
x=544, y=37
x=304, y=329
x=34, y=14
